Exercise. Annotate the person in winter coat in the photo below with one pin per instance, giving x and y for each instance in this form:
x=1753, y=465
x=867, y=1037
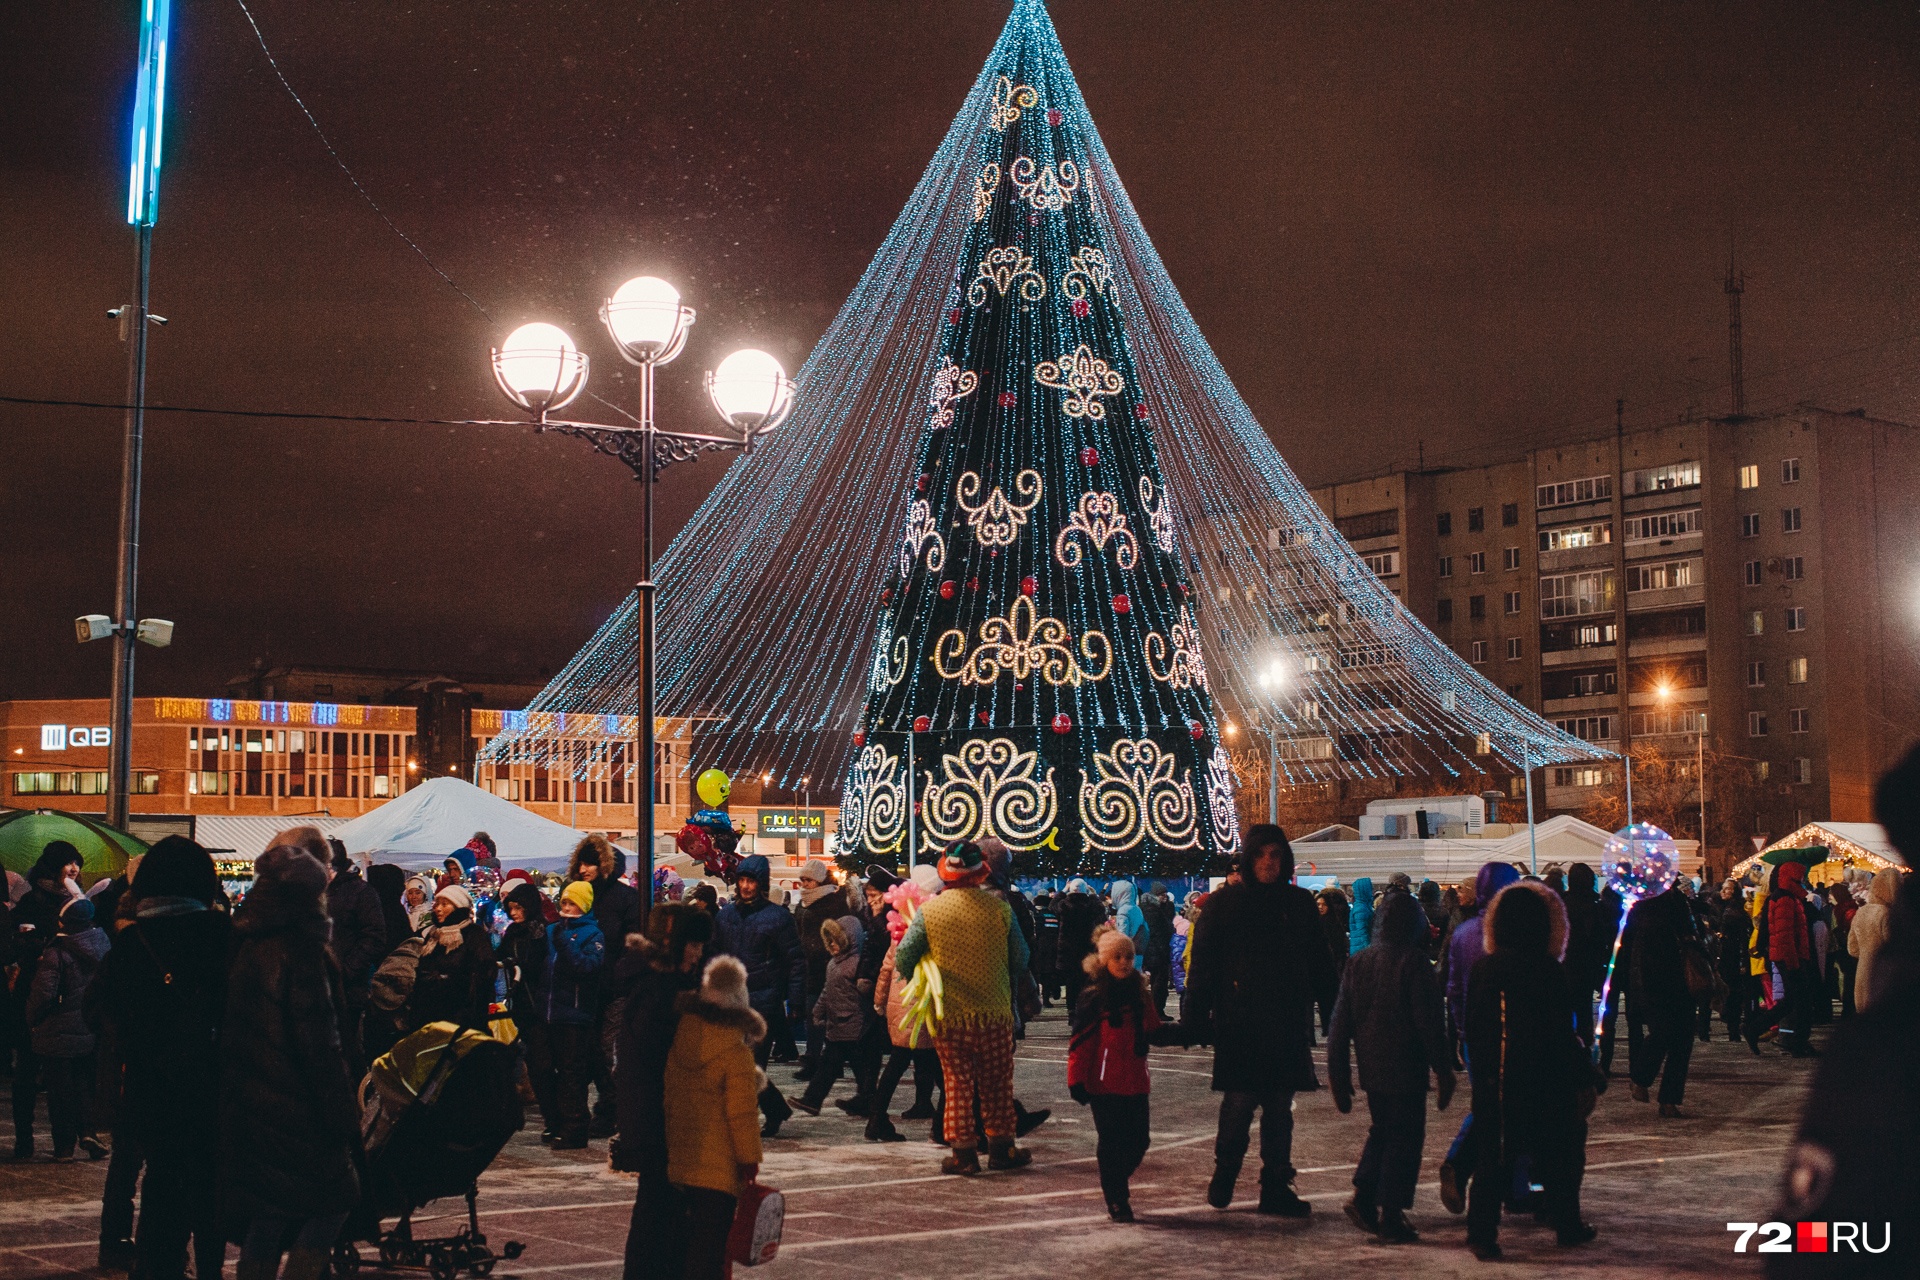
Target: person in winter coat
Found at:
x=972, y=937
x=289, y=1127
x=873, y=1045
x=1436, y=914
x=1659, y=1004
x=1464, y=950
x=616, y=909
x=389, y=885
x=418, y=900
x=654, y=971
x=560, y=1052
x=1789, y=948
x=1259, y=965
x=160, y=997
x=522, y=953
x=1080, y=914
x=1111, y=1031
x=821, y=900
x=760, y=934
x=1733, y=929
x=62, y=1041
x=1868, y=932
x=840, y=1014
x=1332, y=904
x=711, y=1085
x=1157, y=906
x=359, y=942
x=454, y=980
x=1389, y=1013
x=1128, y=919
x=1360, y=917
x=1589, y=940
x=909, y=1050
x=1534, y=1088
x=53, y=882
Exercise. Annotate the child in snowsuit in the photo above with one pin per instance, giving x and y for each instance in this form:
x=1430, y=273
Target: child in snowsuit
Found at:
x=1113, y=1025
x=841, y=1014
x=1389, y=1010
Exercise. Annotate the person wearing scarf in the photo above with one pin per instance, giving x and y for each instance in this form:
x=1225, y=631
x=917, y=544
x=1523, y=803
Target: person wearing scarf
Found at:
x=454, y=981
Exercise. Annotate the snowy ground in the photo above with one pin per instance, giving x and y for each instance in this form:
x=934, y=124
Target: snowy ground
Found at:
x=1661, y=1192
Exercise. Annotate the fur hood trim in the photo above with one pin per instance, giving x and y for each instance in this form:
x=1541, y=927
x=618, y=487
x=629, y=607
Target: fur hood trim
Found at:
x=695, y=1004
x=594, y=849
x=1556, y=916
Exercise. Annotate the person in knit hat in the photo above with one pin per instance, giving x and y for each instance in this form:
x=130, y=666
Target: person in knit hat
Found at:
x=1113, y=1026
x=820, y=901
x=970, y=935
x=711, y=1085
x=61, y=1038
x=454, y=979
x=561, y=1052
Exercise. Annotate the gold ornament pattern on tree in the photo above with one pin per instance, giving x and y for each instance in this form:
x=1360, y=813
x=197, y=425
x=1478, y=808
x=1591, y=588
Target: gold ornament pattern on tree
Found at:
x=875, y=801
x=983, y=188
x=997, y=522
x=990, y=788
x=1159, y=515
x=1023, y=644
x=1046, y=187
x=1135, y=796
x=951, y=384
x=1186, y=667
x=1008, y=100
x=1090, y=277
x=1100, y=519
x=1001, y=269
x=1226, y=819
x=1085, y=378
x=920, y=532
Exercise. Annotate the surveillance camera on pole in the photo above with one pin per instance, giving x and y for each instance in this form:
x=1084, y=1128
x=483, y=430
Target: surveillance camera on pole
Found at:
x=92, y=626
x=157, y=632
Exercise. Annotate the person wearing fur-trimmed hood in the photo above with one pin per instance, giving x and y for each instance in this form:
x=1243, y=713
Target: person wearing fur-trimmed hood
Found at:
x=1533, y=1085
x=712, y=1086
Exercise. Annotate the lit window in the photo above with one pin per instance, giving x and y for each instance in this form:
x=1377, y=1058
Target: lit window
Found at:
x=1756, y=724
x=1756, y=622
x=1574, y=536
x=1789, y=470
x=1675, y=475
x=1761, y=768
x=1514, y=649
x=1660, y=577
x=1796, y=670
x=1750, y=477
x=1802, y=770
x=1571, y=491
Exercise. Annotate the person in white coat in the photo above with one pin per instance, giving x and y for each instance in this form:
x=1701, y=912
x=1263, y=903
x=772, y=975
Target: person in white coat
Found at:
x=1869, y=932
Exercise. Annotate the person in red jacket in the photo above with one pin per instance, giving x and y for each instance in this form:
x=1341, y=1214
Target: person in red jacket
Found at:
x=1790, y=950
x=1113, y=1024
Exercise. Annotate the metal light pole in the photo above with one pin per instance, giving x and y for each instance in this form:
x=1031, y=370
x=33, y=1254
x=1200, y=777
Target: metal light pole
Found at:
x=540, y=369
x=143, y=191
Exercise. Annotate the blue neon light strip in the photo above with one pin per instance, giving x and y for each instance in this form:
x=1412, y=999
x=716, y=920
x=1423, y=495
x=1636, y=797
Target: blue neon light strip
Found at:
x=149, y=106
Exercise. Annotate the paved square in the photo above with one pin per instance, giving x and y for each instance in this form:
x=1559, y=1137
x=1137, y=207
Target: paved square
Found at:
x=1661, y=1192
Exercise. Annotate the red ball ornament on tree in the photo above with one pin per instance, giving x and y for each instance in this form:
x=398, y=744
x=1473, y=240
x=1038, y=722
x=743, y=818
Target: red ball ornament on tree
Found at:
x=946, y=590
x=981, y=717
x=886, y=594
x=1008, y=399
x=1198, y=730
x=1063, y=723
x=973, y=584
x=1122, y=603
x=1140, y=412
x=1082, y=308
x=1028, y=586
x=920, y=485
x=1053, y=117
x=1089, y=457
x=953, y=315
x=860, y=738
x=921, y=724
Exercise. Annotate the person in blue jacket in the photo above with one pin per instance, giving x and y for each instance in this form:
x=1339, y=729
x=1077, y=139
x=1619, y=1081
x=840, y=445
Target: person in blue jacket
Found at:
x=560, y=1052
x=762, y=935
x=1360, y=917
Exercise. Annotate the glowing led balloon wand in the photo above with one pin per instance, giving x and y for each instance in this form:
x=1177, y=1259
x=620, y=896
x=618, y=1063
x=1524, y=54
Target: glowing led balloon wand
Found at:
x=1640, y=861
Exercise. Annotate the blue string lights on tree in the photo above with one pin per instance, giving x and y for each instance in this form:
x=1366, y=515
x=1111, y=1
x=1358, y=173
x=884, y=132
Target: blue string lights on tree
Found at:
x=1018, y=485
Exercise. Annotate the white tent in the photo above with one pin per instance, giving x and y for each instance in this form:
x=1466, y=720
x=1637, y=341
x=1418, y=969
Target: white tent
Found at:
x=424, y=825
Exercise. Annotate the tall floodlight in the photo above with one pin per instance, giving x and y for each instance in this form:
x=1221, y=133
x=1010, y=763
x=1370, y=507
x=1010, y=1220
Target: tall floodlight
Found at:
x=143, y=195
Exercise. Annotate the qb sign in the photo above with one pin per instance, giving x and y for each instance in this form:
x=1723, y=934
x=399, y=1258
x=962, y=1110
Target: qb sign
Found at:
x=58, y=737
x=1812, y=1237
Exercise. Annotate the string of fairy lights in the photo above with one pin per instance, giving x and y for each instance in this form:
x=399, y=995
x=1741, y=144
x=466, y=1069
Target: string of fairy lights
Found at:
x=784, y=598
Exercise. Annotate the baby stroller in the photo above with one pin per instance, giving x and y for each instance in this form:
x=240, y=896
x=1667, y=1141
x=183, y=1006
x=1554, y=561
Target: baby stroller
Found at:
x=435, y=1111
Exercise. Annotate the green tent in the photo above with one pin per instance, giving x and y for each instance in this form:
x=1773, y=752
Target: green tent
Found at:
x=25, y=833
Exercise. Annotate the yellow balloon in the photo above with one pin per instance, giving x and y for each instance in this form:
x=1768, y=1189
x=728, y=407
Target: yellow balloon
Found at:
x=714, y=787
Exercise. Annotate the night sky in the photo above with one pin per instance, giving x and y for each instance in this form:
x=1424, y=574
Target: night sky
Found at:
x=1471, y=225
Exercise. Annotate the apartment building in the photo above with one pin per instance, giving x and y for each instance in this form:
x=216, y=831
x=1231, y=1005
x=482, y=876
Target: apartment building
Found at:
x=1764, y=573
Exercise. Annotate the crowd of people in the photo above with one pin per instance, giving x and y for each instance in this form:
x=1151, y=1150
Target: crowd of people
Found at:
x=657, y=1033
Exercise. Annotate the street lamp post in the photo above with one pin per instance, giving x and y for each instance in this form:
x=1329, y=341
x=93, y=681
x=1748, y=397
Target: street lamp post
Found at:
x=540, y=369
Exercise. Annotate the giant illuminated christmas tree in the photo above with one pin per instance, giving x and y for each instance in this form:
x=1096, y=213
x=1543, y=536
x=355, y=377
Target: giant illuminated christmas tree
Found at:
x=1018, y=497
x=1037, y=655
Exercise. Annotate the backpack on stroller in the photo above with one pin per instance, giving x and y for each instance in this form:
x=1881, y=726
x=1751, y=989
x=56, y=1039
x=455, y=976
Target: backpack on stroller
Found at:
x=435, y=1111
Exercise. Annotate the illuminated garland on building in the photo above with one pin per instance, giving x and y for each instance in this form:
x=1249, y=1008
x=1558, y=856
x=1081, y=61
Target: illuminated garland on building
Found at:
x=1018, y=286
